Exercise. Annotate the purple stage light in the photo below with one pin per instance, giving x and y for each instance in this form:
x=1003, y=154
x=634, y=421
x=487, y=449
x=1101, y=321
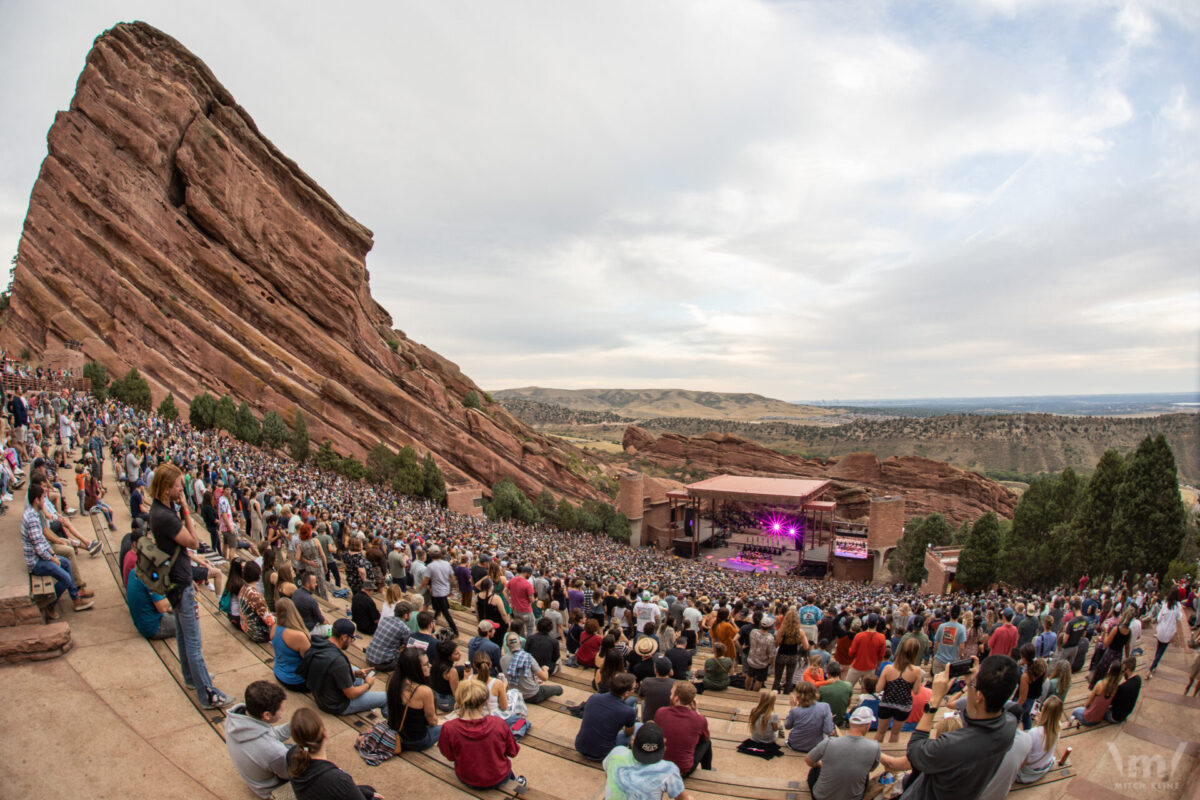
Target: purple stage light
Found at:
x=776, y=527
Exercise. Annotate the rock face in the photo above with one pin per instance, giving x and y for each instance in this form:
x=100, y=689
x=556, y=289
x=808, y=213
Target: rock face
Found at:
x=166, y=232
x=927, y=486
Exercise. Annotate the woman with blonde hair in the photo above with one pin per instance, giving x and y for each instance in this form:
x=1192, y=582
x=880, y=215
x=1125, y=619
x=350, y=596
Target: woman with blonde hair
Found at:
x=1045, y=742
x=290, y=642
x=792, y=644
x=764, y=722
x=284, y=580
x=481, y=746
x=393, y=595
x=1058, y=683
x=314, y=777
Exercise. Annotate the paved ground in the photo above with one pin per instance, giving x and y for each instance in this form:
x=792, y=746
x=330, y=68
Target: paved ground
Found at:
x=110, y=720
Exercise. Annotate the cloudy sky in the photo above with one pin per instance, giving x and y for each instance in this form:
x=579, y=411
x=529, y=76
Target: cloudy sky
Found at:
x=806, y=200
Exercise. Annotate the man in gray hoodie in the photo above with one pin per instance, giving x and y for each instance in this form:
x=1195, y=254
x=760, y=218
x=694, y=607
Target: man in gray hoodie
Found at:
x=257, y=748
x=959, y=765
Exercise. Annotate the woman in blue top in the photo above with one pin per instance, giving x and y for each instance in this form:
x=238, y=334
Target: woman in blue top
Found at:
x=809, y=721
x=290, y=643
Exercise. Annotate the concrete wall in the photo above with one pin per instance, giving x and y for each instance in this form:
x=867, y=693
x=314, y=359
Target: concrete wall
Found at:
x=630, y=501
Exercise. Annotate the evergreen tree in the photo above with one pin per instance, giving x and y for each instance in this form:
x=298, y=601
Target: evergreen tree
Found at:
x=566, y=516
x=509, y=502
x=326, y=458
x=225, y=415
x=201, y=411
x=167, y=409
x=1150, y=520
x=919, y=534
x=618, y=528
x=434, y=485
x=352, y=468
x=132, y=390
x=1035, y=553
x=274, y=430
x=97, y=375
x=380, y=464
x=1092, y=544
x=408, y=479
x=246, y=426
x=545, y=504
x=979, y=561
x=299, y=448
x=961, y=534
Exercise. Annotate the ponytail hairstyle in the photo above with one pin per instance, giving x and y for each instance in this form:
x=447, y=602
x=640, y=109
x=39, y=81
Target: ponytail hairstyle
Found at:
x=482, y=664
x=308, y=732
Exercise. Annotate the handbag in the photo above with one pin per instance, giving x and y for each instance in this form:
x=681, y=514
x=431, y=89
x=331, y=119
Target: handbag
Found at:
x=381, y=742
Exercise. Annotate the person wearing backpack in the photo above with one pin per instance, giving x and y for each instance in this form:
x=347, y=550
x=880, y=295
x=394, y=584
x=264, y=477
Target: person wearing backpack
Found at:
x=173, y=532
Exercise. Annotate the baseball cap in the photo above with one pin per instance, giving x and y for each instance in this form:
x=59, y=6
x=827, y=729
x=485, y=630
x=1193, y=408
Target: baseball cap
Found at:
x=649, y=744
x=862, y=716
x=343, y=627
x=645, y=597
x=399, y=545
x=486, y=626
x=767, y=621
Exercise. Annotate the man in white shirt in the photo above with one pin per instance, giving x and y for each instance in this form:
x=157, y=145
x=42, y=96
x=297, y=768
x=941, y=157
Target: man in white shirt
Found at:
x=646, y=611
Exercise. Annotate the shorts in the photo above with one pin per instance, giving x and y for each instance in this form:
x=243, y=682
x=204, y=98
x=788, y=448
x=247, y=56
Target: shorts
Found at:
x=891, y=712
x=19, y=434
x=229, y=538
x=757, y=674
x=199, y=573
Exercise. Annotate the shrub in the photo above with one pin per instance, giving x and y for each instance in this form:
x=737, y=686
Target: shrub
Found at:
x=201, y=411
x=97, y=375
x=472, y=400
x=167, y=409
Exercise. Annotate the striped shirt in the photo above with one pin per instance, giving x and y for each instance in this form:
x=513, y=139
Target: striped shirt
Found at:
x=33, y=541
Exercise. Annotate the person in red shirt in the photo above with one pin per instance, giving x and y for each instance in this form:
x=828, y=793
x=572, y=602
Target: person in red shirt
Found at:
x=520, y=597
x=686, y=730
x=1004, y=639
x=867, y=650
x=480, y=745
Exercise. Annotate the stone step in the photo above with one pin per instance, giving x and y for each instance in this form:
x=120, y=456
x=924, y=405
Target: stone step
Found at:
x=34, y=642
x=18, y=608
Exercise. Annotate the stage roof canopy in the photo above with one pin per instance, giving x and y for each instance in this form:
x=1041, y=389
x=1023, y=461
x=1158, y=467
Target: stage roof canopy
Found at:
x=768, y=491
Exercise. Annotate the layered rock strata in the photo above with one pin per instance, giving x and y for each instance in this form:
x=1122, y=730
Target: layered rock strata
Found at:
x=166, y=232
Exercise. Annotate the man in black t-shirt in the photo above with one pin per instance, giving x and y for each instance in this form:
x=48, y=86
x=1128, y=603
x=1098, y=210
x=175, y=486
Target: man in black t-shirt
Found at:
x=1127, y=693
x=174, y=535
x=681, y=660
x=543, y=647
x=1072, y=633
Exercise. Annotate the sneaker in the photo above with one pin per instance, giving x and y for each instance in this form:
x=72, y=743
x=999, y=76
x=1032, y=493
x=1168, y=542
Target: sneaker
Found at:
x=52, y=611
x=86, y=593
x=93, y=548
x=522, y=784
x=82, y=603
x=7, y=498
x=71, y=512
x=217, y=699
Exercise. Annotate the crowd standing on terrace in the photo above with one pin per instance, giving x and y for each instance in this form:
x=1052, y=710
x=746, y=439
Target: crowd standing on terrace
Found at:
x=858, y=664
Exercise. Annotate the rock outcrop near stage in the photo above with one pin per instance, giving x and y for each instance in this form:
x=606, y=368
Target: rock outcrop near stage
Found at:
x=928, y=486
x=166, y=232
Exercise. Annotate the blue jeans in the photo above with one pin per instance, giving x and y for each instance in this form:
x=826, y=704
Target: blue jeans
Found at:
x=187, y=640
x=366, y=701
x=626, y=741
x=60, y=570
x=424, y=743
x=1159, y=649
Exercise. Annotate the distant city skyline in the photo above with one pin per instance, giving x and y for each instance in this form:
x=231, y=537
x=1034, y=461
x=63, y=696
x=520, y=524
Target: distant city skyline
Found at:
x=983, y=198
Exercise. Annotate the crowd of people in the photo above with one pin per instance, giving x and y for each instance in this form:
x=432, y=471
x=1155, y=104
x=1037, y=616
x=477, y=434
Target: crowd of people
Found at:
x=859, y=664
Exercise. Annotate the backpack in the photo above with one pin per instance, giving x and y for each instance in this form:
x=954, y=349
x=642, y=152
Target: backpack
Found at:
x=153, y=565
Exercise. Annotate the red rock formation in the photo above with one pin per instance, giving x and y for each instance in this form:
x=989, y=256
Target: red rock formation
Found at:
x=166, y=232
x=928, y=486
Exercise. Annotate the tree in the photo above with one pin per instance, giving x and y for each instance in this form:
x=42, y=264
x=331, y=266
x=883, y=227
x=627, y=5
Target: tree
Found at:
x=1092, y=546
x=326, y=458
x=352, y=468
x=225, y=415
x=132, y=390
x=201, y=411
x=961, y=534
x=618, y=528
x=545, y=504
x=1040, y=541
x=1150, y=520
x=380, y=464
x=979, y=561
x=919, y=534
x=509, y=502
x=274, y=430
x=407, y=478
x=472, y=400
x=434, y=485
x=566, y=516
x=167, y=409
x=97, y=375
x=299, y=446
x=246, y=426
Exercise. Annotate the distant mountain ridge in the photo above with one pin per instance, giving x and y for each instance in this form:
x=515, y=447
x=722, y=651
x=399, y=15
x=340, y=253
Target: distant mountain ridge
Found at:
x=650, y=403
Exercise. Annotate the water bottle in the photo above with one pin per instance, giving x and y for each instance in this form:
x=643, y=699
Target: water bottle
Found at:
x=887, y=779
